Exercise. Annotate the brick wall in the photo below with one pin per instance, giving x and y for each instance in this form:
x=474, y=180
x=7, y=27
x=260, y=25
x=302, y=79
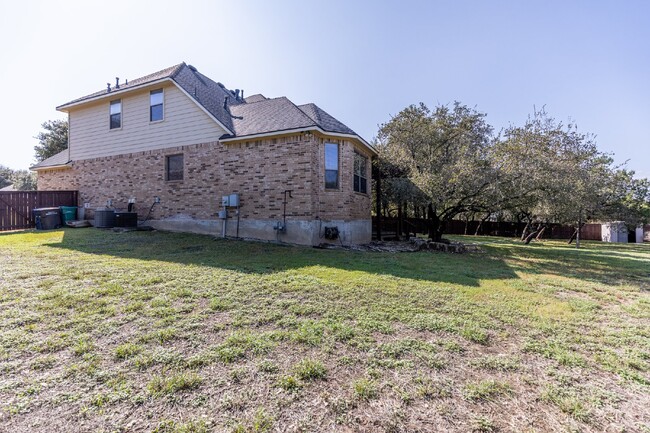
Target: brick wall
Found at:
x=260, y=171
x=56, y=179
x=343, y=203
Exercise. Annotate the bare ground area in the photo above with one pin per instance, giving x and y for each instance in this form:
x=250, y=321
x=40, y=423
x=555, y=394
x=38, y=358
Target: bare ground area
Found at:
x=160, y=332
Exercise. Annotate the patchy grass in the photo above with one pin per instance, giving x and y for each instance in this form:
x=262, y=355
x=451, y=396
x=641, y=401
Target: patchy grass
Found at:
x=127, y=350
x=161, y=385
x=182, y=333
x=309, y=369
x=365, y=389
x=486, y=390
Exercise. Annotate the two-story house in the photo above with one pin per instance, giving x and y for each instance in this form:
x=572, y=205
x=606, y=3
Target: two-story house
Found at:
x=177, y=142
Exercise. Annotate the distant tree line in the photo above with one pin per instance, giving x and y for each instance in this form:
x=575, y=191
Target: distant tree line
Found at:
x=22, y=180
x=447, y=163
x=51, y=140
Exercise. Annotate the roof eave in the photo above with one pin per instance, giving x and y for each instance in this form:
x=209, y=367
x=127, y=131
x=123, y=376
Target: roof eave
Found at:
x=227, y=139
x=51, y=167
x=66, y=107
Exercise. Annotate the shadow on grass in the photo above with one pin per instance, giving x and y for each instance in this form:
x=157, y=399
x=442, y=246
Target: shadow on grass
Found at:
x=596, y=261
x=504, y=258
x=264, y=258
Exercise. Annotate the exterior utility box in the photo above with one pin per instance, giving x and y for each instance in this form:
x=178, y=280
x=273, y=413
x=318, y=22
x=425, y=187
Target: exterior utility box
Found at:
x=104, y=218
x=126, y=219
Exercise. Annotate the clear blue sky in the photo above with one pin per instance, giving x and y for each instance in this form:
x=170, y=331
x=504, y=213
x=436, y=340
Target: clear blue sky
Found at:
x=360, y=61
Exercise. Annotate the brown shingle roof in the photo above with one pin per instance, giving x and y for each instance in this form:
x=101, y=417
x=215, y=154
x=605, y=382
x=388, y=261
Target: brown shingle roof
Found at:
x=253, y=115
x=270, y=115
x=59, y=159
x=165, y=73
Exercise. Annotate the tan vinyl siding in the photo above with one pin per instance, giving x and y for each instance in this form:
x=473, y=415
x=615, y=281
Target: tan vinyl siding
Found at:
x=184, y=123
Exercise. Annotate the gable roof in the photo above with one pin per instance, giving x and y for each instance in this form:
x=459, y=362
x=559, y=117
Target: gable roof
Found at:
x=280, y=114
x=212, y=96
x=240, y=117
x=156, y=76
x=324, y=120
x=269, y=115
x=59, y=160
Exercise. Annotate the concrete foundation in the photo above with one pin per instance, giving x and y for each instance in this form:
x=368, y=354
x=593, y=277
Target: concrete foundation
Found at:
x=301, y=232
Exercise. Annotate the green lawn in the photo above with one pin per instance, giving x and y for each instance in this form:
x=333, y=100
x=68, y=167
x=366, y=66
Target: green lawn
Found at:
x=151, y=331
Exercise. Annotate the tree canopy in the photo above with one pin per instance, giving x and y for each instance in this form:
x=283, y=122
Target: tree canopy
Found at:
x=444, y=154
x=22, y=180
x=52, y=140
x=449, y=160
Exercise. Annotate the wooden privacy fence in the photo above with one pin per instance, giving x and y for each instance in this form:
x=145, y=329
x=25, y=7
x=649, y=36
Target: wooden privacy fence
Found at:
x=16, y=206
x=390, y=227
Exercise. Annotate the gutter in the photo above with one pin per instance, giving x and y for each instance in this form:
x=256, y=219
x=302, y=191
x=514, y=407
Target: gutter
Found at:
x=50, y=167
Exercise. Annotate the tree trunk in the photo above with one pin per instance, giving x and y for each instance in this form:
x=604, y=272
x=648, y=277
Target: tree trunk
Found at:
x=578, y=230
x=532, y=235
x=435, y=233
x=480, y=224
x=399, y=220
x=541, y=232
x=573, y=236
x=525, y=231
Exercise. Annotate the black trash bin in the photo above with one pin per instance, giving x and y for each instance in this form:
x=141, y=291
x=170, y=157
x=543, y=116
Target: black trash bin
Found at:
x=47, y=218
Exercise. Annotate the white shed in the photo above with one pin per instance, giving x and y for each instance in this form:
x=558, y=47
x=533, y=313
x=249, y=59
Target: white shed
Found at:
x=615, y=231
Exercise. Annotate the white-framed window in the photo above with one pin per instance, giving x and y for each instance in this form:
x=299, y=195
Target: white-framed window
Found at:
x=115, y=114
x=360, y=173
x=156, y=105
x=331, y=165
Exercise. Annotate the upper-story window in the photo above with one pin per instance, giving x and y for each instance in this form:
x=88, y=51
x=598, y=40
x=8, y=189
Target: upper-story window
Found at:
x=331, y=165
x=156, y=111
x=360, y=173
x=116, y=114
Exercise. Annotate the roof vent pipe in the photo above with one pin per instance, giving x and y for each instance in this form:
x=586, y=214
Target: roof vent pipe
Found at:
x=242, y=93
x=108, y=87
x=117, y=82
x=225, y=103
x=126, y=81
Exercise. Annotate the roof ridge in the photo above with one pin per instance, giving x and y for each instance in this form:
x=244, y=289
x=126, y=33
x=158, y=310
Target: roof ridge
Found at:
x=177, y=69
x=303, y=113
x=167, y=72
x=267, y=99
x=317, y=111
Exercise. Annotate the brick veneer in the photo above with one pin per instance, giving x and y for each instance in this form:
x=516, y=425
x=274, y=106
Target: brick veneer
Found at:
x=260, y=171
